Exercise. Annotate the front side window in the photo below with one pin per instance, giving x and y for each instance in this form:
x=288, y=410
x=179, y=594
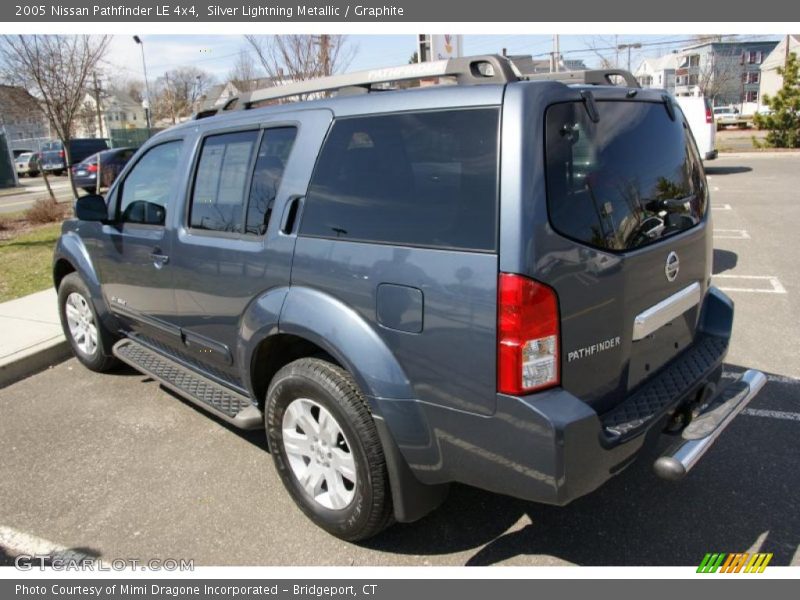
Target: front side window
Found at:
x=148, y=187
x=423, y=179
x=625, y=181
x=220, y=187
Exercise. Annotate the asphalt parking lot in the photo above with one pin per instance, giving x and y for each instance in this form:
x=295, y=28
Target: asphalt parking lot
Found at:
x=114, y=466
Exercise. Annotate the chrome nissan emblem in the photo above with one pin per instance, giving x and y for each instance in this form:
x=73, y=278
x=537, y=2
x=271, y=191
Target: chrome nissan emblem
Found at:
x=672, y=267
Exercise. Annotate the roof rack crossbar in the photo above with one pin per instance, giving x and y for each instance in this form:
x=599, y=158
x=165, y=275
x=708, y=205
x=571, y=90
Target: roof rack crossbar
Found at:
x=488, y=68
x=589, y=77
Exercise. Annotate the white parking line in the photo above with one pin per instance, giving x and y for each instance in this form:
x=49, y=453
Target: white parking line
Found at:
x=721, y=207
x=731, y=234
x=771, y=414
x=776, y=287
x=19, y=542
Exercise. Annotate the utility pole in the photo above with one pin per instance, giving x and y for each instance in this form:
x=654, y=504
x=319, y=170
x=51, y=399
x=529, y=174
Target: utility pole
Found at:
x=97, y=100
x=786, y=52
x=324, y=54
x=557, y=52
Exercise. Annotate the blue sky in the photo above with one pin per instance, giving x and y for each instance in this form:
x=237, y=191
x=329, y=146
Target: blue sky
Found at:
x=216, y=54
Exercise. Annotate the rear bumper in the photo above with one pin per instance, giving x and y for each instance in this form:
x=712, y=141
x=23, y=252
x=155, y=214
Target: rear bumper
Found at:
x=551, y=447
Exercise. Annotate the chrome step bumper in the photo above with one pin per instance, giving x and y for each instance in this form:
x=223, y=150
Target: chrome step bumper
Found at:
x=704, y=429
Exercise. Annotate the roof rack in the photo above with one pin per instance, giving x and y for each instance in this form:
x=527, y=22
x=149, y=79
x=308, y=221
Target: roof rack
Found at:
x=471, y=70
x=589, y=77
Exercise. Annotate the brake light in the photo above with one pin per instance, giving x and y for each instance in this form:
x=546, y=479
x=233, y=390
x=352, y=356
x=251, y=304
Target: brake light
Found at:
x=92, y=168
x=61, y=154
x=527, y=335
x=709, y=116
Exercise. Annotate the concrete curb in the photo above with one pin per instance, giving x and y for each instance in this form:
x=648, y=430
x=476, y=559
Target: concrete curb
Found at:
x=33, y=360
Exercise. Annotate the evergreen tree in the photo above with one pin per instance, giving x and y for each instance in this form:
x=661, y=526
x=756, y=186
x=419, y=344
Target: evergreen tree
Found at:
x=783, y=122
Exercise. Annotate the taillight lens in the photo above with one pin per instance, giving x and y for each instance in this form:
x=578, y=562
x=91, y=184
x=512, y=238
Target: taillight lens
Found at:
x=61, y=154
x=92, y=168
x=527, y=335
x=709, y=116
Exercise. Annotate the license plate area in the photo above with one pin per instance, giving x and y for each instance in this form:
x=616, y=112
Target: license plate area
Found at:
x=655, y=350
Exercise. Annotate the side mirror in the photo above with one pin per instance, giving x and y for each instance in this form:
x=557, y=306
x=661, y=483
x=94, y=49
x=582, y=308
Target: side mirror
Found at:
x=91, y=208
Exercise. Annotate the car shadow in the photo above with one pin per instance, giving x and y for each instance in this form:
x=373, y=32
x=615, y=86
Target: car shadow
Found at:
x=710, y=170
x=724, y=260
x=70, y=555
x=735, y=500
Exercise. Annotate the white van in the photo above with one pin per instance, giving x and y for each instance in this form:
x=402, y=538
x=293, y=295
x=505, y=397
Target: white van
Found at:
x=697, y=110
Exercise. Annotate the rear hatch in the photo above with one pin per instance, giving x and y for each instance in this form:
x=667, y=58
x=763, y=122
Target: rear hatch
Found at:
x=627, y=201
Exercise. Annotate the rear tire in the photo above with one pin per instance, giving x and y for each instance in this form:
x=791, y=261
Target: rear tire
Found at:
x=326, y=449
x=89, y=339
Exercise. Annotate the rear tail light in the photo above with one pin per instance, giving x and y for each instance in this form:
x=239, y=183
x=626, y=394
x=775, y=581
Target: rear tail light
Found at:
x=61, y=154
x=92, y=168
x=527, y=336
x=709, y=116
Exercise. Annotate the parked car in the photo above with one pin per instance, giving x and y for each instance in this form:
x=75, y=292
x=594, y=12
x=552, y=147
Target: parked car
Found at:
x=728, y=115
x=18, y=152
x=504, y=283
x=697, y=110
x=27, y=164
x=108, y=163
x=53, y=157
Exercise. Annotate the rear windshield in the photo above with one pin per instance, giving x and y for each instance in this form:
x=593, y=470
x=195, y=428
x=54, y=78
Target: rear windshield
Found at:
x=625, y=181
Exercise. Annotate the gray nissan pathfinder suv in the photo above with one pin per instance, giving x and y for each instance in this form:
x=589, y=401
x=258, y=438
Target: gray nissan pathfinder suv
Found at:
x=505, y=282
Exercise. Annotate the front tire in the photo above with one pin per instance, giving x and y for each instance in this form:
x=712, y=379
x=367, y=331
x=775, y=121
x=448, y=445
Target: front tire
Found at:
x=90, y=340
x=326, y=449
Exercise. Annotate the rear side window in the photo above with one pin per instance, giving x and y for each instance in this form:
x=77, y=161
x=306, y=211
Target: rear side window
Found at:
x=276, y=145
x=423, y=179
x=628, y=180
x=220, y=187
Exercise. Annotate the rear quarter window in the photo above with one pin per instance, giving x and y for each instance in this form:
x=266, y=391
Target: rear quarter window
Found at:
x=628, y=180
x=423, y=179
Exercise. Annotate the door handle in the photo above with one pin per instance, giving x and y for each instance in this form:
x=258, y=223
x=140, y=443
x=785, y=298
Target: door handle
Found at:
x=290, y=214
x=159, y=260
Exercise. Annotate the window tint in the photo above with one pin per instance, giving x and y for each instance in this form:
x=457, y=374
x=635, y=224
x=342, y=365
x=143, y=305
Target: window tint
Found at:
x=276, y=145
x=426, y=179
x=221, y=181
x=147, y=188
x=628, y=180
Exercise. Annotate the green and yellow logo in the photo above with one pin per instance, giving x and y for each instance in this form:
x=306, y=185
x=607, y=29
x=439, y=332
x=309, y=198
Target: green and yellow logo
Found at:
x=743, y=562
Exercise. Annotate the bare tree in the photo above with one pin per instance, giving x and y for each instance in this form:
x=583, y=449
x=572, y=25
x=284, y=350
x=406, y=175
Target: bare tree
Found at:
x=718, y=74
x=134, y=88
x=177, y=91
x=244, y=72
x=87, y=118
x=57, y=69
x=292, y=58
x=605, y=49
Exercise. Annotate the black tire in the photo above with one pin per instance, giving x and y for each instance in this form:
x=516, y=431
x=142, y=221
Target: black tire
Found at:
x=101, y=359
x=370, y=510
